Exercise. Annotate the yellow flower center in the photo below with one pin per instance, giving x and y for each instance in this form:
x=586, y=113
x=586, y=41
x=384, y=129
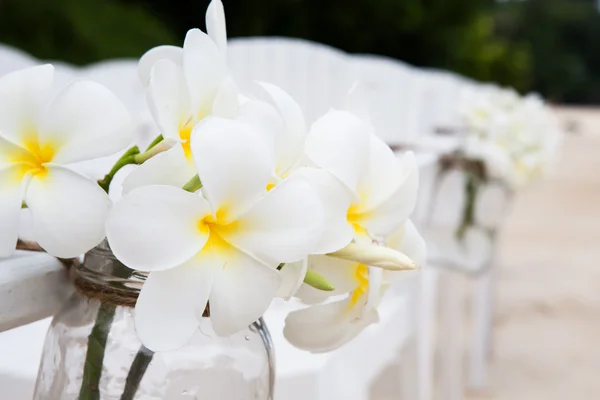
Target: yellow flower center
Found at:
x=354, y=217
x=361, y=273
x=216, y=228
x=34, y=156
x=185, y=132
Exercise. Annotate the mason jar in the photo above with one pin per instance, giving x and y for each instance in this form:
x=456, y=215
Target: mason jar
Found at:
x=92, y=350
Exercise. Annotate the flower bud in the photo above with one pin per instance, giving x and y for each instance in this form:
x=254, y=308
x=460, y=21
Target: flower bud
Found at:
x=375, y=256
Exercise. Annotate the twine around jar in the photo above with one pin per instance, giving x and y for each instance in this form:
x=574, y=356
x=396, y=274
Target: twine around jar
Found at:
x=90, y=289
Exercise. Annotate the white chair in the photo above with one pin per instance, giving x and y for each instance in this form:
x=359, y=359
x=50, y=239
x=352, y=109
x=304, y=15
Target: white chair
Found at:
x=317, y=76
x=393, y=98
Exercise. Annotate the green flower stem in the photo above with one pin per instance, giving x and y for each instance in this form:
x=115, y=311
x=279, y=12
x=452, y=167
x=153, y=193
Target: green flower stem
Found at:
x=193, y=184
x=151, y=152
x=314, y=279
x=133, y=156
x=468, y=215
x=126, y=159
x=138, y=368
x=94, y=358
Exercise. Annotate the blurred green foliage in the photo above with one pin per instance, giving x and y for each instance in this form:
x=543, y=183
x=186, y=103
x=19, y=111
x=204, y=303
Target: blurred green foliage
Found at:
x=563, y=41
x=81, y=31
x=546, y=45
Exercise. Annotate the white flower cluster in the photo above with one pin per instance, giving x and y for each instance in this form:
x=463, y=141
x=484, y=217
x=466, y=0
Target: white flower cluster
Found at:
x=515, y=137
x=238, y=202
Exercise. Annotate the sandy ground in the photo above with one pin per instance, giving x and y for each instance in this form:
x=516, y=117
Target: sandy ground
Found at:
x=547, y=326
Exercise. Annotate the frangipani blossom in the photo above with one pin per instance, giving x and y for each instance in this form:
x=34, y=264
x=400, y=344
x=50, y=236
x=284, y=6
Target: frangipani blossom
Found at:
x=327, y=326
x=221, y=244
x=215, y=28
x=185, y=85
x=38, y=139
x=384, y=186
x=287, y=141
x=384, y=189
x=286, y=135
x=516, y=137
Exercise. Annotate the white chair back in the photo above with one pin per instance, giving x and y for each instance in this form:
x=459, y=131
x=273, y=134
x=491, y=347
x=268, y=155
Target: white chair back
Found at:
x=318, y=77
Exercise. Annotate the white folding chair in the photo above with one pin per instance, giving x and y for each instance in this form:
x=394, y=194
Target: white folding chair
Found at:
x=320, y=77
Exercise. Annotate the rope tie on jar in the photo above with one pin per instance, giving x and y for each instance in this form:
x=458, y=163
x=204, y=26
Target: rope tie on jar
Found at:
x=110, y=290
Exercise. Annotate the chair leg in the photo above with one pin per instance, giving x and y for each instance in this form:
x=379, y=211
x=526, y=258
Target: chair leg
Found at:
x=409, y=371
x=452, y=334
x=426, y=317
x=482, y=335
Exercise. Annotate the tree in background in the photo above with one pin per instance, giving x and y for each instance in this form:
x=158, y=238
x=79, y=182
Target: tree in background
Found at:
x=452, y=34
x=550, y=46
x=563, y=39
x=81, y=31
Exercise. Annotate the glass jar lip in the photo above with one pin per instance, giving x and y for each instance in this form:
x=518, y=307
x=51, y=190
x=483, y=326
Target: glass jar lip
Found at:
x=101, y=267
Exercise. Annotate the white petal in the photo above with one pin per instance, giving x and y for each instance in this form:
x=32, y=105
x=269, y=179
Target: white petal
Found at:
x=11, y=195
x=292, y=276
x=384, y=174
x=242, y=292
x=226, y=102
x=168, y=98
x=23, y=95
x=393, y=212
x=86, y=121
x=289, y=144
x=156, y=227
x=335, y=200
x=165, y=313
x=233, y=164
x=68, y=211
x=11, y=154
x=337, y=143
x=284, y=226
x=215, y=25
x=152, y=56
x=340, y=273
x=325, y=327
x=204, y=69
x=374, y=293
x=171, y=168
x=264, y=119
x=408, y=240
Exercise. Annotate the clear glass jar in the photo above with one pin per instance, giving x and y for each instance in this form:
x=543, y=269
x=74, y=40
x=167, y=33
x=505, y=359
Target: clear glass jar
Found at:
x=464, y=213
x=92, y=351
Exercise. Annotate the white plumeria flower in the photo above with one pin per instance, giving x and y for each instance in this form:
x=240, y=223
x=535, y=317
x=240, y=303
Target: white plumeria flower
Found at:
x=215, y=28
x=384, y=186
x=287, y=139
x=221, y=244
x=286, y=134
x=515, y=137
x=384, y=189
x=325, y=327
x=37, y=140
x=185, y=85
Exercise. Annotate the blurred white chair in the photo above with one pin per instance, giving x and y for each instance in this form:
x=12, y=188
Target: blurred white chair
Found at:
x=320, y=77
x=473, y=258
x=392, y=95
x=317, y=76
